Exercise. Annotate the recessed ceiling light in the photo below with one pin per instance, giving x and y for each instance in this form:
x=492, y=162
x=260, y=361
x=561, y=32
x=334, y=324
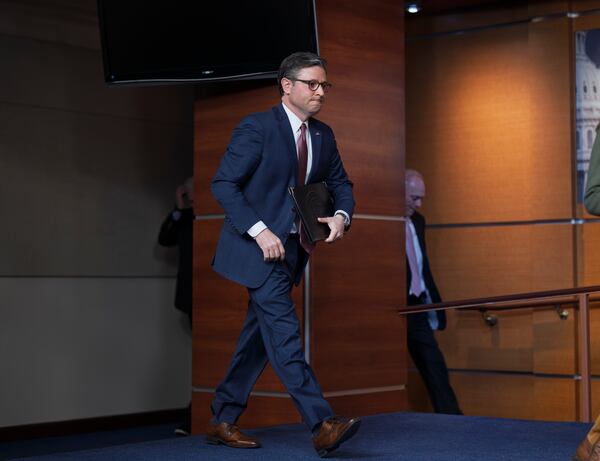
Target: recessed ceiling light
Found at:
x=413, y=7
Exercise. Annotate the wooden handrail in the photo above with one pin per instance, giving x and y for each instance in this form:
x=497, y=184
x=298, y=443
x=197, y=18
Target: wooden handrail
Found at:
x=544, y=298
x=554, y=302
x=580, y=297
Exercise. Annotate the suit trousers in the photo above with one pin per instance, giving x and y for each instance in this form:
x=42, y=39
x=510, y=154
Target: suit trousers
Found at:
x=271, y=333
x=429, y=360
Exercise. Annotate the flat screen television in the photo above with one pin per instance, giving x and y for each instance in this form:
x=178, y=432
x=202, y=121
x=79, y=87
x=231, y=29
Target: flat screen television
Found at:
x=154, y=41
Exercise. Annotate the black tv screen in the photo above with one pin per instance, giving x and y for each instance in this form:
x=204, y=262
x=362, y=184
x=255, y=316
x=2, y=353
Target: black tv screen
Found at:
x=179, y=41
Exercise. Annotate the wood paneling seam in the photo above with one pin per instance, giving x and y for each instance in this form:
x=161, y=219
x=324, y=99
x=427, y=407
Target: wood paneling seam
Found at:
x=285, y=395
x=377, y=217
x=533, y=19
x=574, y=222
x=467, y=371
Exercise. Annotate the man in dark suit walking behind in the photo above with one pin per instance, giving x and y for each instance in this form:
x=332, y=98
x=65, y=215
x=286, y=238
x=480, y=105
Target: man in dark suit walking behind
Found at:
x=422, y=345
x=262, y=247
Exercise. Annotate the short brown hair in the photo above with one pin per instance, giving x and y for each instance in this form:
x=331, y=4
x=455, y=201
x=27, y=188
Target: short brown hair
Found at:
x=295, y=62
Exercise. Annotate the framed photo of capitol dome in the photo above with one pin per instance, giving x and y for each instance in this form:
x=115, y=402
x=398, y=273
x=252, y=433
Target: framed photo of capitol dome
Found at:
x=587, y=101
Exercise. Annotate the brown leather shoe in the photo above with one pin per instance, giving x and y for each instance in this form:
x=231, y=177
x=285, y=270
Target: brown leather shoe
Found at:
x=230, y=435
x=333, y=432
x=587, y=452
x=589, y=448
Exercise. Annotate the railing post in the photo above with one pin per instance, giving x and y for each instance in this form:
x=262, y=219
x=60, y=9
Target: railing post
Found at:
x=585, y=385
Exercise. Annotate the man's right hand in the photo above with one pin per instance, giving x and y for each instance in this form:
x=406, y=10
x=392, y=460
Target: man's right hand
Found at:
x=270, y=245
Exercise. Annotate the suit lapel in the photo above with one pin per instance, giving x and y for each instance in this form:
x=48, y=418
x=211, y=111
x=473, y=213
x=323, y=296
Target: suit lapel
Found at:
x=315, y=140
x=285, y=129
x=420, y=234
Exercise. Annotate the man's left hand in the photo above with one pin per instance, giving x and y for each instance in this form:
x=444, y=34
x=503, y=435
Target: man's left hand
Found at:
x=336, y=224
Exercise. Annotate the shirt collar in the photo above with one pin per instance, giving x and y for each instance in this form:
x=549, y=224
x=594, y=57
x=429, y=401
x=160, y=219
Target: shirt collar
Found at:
x=293, y=118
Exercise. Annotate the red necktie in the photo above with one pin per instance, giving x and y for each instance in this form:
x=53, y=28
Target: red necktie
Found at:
x=302, y=164
x=302, y=155
x=415, y=278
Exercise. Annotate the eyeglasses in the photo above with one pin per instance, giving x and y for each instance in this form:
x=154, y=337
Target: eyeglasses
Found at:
x=313, y=85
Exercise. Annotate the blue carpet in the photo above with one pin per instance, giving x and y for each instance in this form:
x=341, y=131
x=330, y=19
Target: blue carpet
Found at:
x=396, y=436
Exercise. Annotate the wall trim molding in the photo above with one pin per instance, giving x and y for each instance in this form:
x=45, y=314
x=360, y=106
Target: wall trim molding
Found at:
x=341, y=393
x=524, y=21
x=536, y=222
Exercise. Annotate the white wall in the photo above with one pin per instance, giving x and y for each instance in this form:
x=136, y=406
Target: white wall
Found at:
x=87, y=324
x=75, y=348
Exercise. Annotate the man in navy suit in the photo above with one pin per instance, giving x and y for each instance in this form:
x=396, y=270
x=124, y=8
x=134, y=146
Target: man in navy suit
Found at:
x=262, y=247
x=422, y=345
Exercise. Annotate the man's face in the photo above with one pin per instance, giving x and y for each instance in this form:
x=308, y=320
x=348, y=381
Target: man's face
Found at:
x=415, y=193
x=189, y=192
x=299, y=97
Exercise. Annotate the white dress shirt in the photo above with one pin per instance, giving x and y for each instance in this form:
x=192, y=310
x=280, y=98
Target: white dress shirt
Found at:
x=432, y=316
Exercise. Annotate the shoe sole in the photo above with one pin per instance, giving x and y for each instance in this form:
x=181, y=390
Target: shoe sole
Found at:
x=216, y=441
x=344, y=437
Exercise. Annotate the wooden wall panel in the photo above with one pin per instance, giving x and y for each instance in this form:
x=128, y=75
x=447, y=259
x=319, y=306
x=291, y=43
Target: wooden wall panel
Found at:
x=516, y=396
x=538, y=8
x=523, y=340
x=555, y=399
x=355, y=300
x=363, y=43
x=550, y=157
x=418, y=400
x=489, y=123
x=595, y=398
x=484, y=16
x=537, y=342
x=504, y=396
x=473, y=262
x=584, y=5
x=460, y=100
x=418, y=25
x=554, y=342
x=486, y=125
x=468, y=343
x=369, y=403
x=595, y=338
x=588, y=237
x=497, y=395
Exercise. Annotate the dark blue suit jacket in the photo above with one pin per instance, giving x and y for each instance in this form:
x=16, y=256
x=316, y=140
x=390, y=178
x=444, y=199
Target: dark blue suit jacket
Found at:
x=252, y=183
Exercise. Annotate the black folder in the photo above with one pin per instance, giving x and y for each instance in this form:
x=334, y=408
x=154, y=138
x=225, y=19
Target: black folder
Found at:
x=313, y=201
